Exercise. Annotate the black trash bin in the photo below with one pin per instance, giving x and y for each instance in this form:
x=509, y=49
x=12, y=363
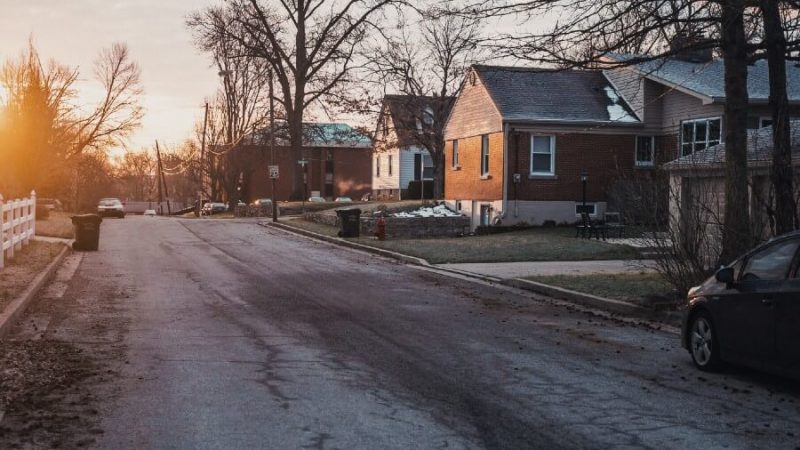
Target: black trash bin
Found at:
x=350, y=222
x=87, y=232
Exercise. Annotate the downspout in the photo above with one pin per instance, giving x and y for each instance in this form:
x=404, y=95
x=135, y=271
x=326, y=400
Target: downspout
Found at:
x=505, y=170
x=516, y=171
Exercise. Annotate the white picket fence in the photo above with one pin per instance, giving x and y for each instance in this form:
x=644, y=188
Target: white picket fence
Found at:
x=17, y=225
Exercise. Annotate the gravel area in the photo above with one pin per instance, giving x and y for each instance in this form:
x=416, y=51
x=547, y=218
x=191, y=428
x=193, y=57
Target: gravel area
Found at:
x=23, y=268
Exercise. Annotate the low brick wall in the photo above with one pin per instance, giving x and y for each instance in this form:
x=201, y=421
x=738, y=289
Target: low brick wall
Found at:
x=254, y=211
x=324, y=217
x=417, y=227
x=401, y=227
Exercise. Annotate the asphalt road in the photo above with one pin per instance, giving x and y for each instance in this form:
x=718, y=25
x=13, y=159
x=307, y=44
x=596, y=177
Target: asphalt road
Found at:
x=221, y=334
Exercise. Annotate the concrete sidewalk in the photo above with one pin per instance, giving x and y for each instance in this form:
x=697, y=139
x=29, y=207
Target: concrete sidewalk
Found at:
x=526, y=269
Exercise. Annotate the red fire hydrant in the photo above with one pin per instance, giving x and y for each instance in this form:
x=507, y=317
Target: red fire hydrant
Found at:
x=381, y=231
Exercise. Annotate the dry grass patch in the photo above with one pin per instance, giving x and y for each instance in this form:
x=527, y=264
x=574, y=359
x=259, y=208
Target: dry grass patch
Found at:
x=27, y=263
x=57, y=224
x=539, y=244
x=647, y=288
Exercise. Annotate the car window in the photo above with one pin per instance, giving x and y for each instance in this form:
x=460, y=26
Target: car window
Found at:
x=771, y=263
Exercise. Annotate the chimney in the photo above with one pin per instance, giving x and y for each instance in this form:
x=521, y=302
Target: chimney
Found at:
x=691, y=46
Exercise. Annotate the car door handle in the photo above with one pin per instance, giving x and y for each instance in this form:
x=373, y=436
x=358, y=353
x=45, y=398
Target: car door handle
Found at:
x=767, y=302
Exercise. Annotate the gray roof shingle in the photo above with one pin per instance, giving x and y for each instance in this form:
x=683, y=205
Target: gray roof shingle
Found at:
x=708, y=78
x=535, y=95
x=759, y=150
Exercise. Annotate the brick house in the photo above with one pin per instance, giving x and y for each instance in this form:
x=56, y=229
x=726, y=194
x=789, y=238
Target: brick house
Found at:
x=337, y=163
x=518, y=140
x=399, y=154
x=651, y=113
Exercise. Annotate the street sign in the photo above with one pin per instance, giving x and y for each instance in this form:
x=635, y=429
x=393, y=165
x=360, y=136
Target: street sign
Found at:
x=273, y=172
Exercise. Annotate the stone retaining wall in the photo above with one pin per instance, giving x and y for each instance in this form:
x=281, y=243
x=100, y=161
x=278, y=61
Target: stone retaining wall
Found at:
x=402, y=227
x=254, y=211
x=417, y=227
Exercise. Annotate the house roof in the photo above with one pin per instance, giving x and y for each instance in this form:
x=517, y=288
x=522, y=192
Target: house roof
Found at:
x=406, y=109
x=315, y=134
x=545, y=95
x=707, y=79
x=759, y=151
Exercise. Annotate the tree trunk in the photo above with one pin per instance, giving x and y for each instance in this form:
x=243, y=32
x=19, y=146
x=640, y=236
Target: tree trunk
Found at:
x=298, y=172
x=736, y=236
x=781, y=171
x=437, y=156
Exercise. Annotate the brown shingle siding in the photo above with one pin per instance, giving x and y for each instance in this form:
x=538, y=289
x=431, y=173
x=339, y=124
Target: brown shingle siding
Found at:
x=474, y=112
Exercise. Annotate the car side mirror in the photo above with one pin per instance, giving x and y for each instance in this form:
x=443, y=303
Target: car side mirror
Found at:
x=725, y=275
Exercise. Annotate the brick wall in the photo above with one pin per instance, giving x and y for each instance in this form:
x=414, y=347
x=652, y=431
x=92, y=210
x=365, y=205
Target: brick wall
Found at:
x=466, y=183
x=604, y=157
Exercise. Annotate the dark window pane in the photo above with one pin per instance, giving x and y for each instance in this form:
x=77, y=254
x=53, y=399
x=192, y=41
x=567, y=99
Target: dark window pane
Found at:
x=687, y=135
x=714, y=130
x=541, y=163
x=699, y=146
x=771, y=263
x=700, y=129
x=686, y=149
x=541, y=144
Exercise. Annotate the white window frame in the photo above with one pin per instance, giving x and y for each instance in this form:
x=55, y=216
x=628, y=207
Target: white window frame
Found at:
x=552, y=154
x=652, y=160
x=706, y=141
x=762, y=119
x=455, y=153
x=484, y=155
x=588, y=204
x=378, y=166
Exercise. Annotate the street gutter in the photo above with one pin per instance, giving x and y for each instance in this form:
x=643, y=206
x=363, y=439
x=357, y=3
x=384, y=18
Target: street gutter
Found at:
x=669, y=318
x=14, y=310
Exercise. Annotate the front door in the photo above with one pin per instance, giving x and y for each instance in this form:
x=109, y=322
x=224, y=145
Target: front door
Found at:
x=485, y=215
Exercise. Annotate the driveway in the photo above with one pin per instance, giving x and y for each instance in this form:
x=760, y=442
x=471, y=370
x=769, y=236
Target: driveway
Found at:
x=220, y=334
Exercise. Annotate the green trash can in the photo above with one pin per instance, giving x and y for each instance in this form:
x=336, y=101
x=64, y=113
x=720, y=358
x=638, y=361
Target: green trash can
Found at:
x=87, y=232
x=350, y=221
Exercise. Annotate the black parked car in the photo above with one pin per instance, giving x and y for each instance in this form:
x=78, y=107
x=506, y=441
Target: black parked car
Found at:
x=749, y=312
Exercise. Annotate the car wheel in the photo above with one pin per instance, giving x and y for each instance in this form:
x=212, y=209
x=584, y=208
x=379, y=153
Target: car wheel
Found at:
x=703, y=343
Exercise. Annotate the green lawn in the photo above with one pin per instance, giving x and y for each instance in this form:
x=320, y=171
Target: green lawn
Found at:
x=641, y=288
x=541, y=244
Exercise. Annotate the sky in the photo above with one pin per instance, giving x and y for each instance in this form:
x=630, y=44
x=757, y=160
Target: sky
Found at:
x=176, y=77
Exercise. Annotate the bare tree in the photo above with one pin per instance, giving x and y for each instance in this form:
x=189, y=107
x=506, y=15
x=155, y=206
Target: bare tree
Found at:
x=309, y=45
x=46, y=129
x=426, y=62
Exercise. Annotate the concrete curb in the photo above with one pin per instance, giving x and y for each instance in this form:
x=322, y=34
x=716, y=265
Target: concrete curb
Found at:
x=346, y=243
x=606, y=304
x=592, y=301
x=17, y=306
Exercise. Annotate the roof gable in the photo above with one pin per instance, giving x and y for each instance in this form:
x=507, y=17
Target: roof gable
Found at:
x=541, y=95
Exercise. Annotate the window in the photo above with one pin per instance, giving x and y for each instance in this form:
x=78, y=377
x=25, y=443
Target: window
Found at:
x=698, y=134
x=590, y=208
x=455, y=153
x=484, y=155
x=427, y=167
x=378, y=166
x=428, y=116
x=391, y=165
x=645, y=151
x=772, y=263
x=765, y=122
x=458, y=205
x=543, y=155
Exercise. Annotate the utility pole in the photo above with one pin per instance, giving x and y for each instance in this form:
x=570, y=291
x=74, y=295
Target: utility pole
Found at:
x=158, y=178
x=272, y=143
x=203, y=161
x=163, y=180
